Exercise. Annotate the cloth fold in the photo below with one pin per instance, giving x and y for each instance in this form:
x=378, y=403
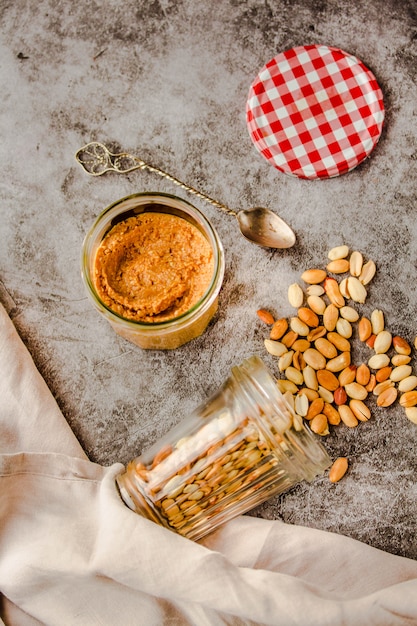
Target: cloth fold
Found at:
x=72, y=553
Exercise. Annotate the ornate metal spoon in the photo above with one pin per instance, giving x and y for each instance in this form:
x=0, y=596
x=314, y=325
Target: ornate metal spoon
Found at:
x=259, y=225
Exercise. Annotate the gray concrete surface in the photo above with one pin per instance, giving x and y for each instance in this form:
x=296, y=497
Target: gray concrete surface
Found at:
x=168, y=80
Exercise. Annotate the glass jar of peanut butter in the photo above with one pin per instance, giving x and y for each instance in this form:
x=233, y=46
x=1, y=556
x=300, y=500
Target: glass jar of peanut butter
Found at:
x=238, y=449
x=153, y=266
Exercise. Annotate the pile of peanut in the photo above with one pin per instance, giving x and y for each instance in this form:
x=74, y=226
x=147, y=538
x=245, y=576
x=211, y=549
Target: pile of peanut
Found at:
x=318, y=378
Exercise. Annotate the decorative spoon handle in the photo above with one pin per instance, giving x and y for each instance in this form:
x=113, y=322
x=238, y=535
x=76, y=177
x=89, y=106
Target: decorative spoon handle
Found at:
x=96, y=159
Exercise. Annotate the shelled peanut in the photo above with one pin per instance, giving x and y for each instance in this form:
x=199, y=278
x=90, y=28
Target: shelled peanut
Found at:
x=338, y=469
x=314, y=348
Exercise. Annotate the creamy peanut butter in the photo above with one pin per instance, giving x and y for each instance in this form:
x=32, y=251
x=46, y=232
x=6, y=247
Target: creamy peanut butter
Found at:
x=153, y=267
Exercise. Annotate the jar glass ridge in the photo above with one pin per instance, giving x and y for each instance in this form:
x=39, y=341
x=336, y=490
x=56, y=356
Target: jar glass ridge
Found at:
x=238, y=449
x=174, y=332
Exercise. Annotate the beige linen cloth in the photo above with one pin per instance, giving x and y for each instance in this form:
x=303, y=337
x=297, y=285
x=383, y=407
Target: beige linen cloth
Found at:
x=72, y=553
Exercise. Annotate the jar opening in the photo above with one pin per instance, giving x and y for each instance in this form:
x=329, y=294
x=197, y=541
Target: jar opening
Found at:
x=302, y=450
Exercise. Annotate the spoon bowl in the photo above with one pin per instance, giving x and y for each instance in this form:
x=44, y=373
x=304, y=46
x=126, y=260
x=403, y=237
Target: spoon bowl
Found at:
x=265, y=228
x=258, y=225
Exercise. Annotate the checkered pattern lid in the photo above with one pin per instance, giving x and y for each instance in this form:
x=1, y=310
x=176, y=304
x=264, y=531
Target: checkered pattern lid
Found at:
x=315, y=111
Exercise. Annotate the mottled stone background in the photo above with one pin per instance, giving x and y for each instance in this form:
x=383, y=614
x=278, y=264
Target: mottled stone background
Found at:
x=168, y=79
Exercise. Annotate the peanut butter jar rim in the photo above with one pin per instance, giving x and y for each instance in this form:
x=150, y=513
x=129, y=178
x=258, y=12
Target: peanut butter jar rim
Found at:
x=182, y=208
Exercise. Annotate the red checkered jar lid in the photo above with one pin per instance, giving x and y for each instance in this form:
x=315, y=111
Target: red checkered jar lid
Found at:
x=315, y=112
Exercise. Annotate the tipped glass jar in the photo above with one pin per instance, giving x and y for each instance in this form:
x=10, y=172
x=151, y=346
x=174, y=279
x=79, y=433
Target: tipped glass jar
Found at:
x=153, y=266
x=238, y=449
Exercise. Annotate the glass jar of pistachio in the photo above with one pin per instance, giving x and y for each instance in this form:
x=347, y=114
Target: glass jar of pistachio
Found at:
x=241, y=447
